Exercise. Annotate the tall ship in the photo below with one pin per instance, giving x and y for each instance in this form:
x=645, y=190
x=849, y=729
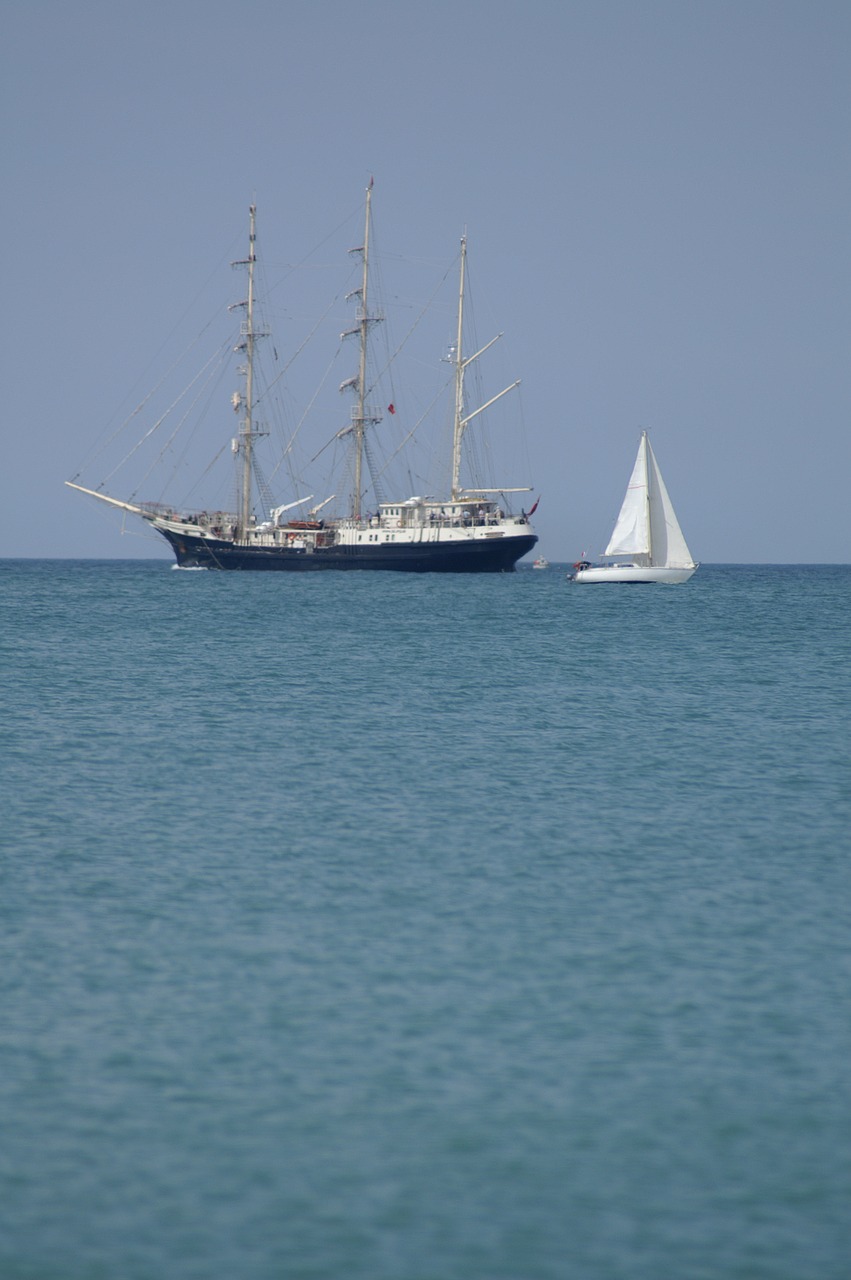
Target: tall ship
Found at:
x=468, y=528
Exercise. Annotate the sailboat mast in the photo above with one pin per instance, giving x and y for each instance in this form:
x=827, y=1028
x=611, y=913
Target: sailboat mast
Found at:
x=646, y=443
x=458, y=429
x=246, y=426
x=364, y=319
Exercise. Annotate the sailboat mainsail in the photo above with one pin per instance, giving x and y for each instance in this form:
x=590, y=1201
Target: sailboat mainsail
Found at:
x=631, y=534
x=647, y=530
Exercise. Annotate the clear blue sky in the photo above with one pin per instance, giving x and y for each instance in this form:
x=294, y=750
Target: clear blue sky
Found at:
x=656, y=192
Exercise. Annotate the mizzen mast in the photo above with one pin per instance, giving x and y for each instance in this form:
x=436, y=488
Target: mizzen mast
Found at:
x=461, y=421
x=244, y=443
x=458, y=429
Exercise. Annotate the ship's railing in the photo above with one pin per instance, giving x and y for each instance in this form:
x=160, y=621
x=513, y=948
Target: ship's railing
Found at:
x=160, y=509
x=412, y=518
x=209, y=519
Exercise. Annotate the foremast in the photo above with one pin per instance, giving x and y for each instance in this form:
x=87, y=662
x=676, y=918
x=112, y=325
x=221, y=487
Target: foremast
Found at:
x=461, y=421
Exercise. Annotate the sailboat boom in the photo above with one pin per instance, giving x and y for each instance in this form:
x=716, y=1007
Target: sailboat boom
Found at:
x=487, y=405
x=487, y=347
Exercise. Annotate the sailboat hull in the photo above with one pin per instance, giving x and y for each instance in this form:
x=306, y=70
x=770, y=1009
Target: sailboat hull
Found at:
x=634, y=573
x=492, y=555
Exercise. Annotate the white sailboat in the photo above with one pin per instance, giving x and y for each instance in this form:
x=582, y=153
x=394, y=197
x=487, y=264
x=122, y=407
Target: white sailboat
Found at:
x=646, y=530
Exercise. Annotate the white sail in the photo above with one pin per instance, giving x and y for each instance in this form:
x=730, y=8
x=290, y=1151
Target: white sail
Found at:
x=667, y=544
x=647, y=525
x=631, y=534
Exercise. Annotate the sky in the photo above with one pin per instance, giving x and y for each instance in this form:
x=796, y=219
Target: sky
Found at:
x=657, y=195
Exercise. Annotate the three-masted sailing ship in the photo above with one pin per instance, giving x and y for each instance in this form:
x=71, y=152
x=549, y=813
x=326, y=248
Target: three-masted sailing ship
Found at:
x=469, y=530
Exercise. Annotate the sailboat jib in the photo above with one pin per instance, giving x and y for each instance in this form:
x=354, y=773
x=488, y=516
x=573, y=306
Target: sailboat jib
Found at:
x=647, y=530
x=669, y=545
x=256, y=518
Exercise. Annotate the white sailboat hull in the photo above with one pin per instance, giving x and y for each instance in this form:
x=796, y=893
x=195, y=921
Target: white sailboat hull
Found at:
x=634, y=573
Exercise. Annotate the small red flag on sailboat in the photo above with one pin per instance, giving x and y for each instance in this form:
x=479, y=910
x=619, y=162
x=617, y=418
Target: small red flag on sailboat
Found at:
x=534, y=508
x=391, y=408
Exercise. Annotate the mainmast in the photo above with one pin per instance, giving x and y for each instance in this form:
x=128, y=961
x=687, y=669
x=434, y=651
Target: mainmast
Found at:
x=362, y=414
x=249, y=335
x=648, y=507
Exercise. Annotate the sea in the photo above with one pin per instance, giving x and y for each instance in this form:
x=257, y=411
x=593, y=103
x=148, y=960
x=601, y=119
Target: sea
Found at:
x=383, y=927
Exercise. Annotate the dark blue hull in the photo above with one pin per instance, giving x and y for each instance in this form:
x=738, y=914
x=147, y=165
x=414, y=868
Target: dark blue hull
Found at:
x=497, y=555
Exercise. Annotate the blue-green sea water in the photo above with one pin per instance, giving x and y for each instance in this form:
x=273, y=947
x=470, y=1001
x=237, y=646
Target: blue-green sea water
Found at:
x=375, y=927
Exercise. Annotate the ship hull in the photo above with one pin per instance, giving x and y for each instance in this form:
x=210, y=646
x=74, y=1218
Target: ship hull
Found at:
x=484, y=555
x=634, y=573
